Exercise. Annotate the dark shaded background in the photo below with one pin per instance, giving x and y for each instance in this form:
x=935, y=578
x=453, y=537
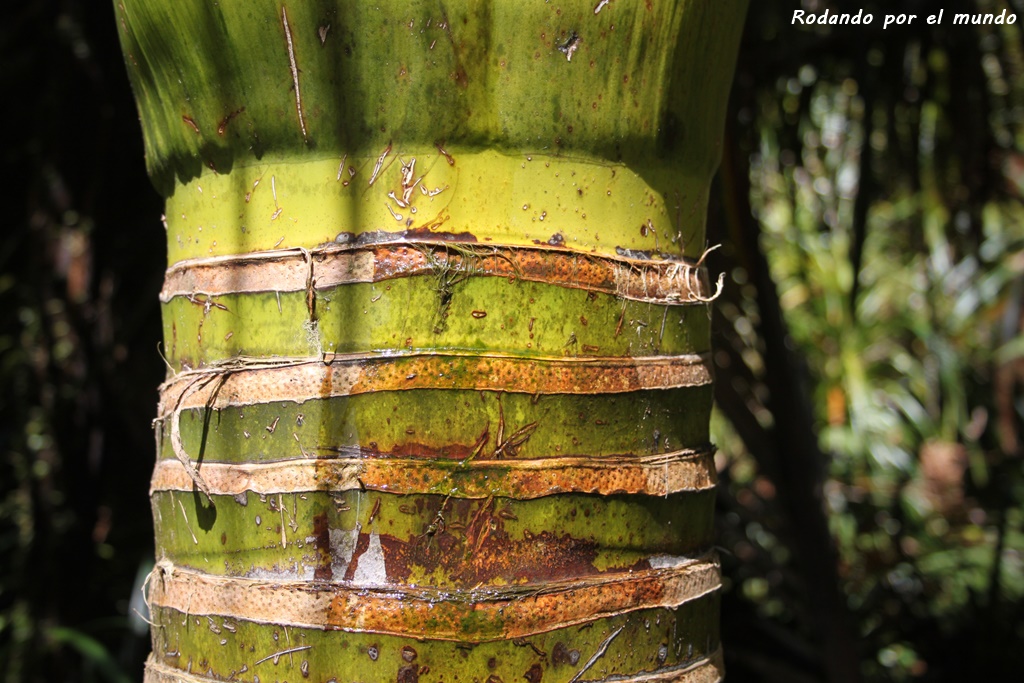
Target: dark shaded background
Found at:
x=81, y=258
x=844, y=560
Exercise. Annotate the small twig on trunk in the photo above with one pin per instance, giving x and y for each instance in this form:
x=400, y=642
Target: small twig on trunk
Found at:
x=597, y=655
x=277, y=655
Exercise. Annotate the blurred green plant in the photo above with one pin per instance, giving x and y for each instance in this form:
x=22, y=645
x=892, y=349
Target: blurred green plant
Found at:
x=92, y=651
x=885, y=173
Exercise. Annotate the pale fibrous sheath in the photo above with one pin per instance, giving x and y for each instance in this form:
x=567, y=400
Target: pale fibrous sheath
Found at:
x=451, y=419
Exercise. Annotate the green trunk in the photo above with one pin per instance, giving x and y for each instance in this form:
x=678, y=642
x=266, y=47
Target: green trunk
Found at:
x=437, y=333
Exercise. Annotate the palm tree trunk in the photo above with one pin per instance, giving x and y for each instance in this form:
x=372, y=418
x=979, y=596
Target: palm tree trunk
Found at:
x=436, y=329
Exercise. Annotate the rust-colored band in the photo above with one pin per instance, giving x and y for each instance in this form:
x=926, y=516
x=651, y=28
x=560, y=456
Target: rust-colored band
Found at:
x=293, y=270
x=479, y=615
x=706, y=670
x=657, y=475
x=242, y=381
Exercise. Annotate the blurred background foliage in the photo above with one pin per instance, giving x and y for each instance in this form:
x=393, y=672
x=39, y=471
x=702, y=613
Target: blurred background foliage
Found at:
x=874, y=233
x=868, y=348
x=81, y=260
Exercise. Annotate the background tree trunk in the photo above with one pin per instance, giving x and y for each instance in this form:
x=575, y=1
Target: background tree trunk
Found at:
x=437, y=334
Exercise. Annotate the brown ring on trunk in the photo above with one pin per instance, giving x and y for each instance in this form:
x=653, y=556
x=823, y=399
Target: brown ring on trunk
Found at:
x=246, y=381
x=289, y=270
x=480, y=615
x=658, y=475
